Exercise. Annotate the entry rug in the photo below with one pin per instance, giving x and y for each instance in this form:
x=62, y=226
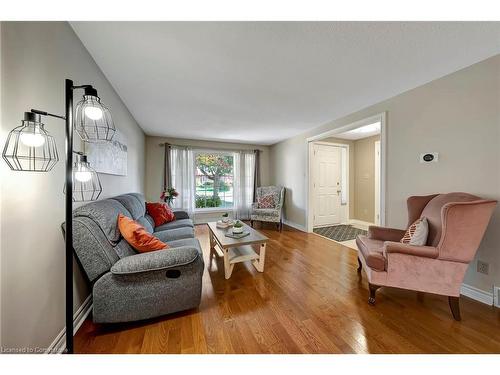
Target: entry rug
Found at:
x=339, y=232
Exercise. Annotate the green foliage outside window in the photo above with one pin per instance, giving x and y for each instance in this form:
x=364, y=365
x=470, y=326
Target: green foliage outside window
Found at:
x=214, y=176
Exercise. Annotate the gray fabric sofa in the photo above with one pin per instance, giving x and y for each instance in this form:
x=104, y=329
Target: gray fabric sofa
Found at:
x=127, y=285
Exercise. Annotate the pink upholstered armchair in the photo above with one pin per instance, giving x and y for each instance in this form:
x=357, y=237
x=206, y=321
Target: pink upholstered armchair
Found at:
x=457, y=222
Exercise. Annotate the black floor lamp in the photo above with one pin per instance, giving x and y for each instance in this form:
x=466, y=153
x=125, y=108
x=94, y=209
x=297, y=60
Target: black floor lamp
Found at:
x=29, y=147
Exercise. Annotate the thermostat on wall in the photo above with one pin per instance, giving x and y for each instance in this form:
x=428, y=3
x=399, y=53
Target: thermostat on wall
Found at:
x=429, y=157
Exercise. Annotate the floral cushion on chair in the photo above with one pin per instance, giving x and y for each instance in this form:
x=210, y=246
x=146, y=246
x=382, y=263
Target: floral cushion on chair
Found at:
x=266, y=201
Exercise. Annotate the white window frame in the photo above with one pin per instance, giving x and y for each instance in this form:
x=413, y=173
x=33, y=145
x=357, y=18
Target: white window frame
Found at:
x=218, y=152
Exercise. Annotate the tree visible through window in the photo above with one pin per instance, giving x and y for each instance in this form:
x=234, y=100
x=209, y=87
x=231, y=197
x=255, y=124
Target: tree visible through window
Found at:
x=214, y=180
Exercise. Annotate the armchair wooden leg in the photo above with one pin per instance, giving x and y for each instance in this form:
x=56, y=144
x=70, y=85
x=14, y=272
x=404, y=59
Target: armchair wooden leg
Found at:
x=281, y=225
x=251, y=223
x=373, y=289
x=454, y=303
x=360, y=266
x=278, y=226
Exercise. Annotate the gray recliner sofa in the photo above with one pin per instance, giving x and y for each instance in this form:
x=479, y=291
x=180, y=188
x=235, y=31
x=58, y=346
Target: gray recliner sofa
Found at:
x=127, y=285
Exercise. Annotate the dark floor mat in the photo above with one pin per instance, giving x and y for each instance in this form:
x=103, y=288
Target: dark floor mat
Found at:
x=339, y=232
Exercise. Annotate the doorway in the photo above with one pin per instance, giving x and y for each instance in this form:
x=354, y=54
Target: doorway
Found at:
x=346, y=180
x=327, y=188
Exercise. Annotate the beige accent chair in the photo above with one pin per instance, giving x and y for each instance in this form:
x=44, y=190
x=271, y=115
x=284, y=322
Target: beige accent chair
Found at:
x=272, y=215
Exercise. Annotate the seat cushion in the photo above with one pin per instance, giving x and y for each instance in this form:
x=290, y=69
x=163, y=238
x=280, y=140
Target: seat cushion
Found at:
x=183, y=223
x=372, y=251
x=174, y=234
x=265, y=212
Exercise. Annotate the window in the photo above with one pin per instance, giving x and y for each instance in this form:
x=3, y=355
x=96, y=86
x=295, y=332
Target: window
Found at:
x=214, y=177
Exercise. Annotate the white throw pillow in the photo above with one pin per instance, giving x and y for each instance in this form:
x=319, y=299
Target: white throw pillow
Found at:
x=417, y=233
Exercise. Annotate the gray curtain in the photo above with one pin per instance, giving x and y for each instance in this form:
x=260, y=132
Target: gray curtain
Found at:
x=167, y=171
x=256, y=174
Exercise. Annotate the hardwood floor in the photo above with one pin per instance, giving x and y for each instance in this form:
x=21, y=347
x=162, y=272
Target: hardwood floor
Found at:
x=309, y=299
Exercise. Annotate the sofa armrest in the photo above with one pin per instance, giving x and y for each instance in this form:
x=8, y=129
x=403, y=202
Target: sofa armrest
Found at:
x=402, y=248
x=155, y=260
x=255, y=205
x=385, y=234
x=180, y=214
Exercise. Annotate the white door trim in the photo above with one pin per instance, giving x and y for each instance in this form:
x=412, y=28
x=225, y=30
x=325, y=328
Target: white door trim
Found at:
x=376, y=219
x=382, y=117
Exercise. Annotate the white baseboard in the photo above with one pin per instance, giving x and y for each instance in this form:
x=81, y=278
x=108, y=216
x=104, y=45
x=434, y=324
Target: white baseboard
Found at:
x=295, y=225
x=477, y=294
x=496, y=296
x=360, y=223
x=59, y=343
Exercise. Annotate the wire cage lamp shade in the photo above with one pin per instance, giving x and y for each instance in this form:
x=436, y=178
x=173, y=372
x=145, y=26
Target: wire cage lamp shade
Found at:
x=86, y=183
x=29, y=147
x=93, y=121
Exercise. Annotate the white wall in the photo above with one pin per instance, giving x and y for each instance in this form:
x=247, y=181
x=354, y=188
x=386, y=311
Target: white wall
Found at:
x=155, y=159
x=457, y=116
x=36, y=58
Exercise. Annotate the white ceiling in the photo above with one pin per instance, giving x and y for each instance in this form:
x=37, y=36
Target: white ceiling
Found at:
x=262, y=82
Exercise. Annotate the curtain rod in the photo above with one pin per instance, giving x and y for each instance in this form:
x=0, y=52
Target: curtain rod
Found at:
x=208, y=148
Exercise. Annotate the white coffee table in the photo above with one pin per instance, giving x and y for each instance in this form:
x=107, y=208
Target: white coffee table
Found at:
x=235, y=250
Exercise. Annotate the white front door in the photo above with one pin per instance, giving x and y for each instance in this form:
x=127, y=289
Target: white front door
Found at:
x=326, y=185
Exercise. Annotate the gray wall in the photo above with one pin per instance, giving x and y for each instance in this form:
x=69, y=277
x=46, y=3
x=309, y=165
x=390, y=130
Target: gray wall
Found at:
x=155, y=157
x=36, y=58
x=457, y=116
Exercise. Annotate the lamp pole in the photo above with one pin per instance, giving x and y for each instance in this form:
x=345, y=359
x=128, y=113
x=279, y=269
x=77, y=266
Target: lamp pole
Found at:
x=69, y=215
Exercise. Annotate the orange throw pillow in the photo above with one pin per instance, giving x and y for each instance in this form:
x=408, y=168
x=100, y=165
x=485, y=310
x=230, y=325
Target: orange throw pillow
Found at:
x=160, y=212
x=138, y=237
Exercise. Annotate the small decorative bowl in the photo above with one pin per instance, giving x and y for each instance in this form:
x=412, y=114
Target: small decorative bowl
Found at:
x=237, y=230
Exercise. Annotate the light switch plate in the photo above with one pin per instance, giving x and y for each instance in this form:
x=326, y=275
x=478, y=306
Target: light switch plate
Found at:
x=429, y=157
